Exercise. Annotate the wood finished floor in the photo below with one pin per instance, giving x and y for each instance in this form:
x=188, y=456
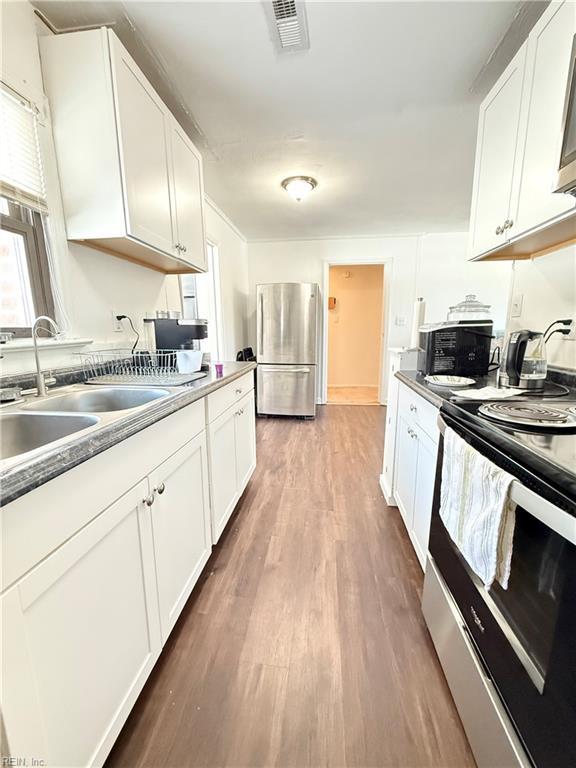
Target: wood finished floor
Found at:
x=353, y=395
x=303, y=645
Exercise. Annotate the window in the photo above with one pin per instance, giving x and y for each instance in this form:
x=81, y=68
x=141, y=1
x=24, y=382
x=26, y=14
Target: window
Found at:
x=25, y=289
x=201, y=299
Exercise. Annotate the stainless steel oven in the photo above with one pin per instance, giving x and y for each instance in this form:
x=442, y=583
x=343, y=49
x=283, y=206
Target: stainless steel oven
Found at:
x=524, y=636
x=566, y=181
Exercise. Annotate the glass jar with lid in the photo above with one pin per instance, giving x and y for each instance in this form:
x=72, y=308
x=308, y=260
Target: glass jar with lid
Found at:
x=469, y=309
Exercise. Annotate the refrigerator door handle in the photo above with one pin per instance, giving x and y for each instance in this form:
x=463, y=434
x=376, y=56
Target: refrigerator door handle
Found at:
x=287, y=369
x=261, y=318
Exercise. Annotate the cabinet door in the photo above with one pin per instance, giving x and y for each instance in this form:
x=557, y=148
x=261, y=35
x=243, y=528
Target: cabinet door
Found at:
x=180, y=526
x=424, y=491
x=405, y=473
x=188, y=194
x=245, y=441
x=142, y=122
x=223, y=476
x=80, y=636
x=547, y=64
x=495, y=149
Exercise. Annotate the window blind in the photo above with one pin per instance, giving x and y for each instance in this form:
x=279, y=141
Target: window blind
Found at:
x=21, y=174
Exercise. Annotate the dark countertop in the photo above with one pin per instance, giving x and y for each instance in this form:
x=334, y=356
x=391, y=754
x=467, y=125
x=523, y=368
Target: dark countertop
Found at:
x=438, y=395
x=548, y=455
x=17, y=477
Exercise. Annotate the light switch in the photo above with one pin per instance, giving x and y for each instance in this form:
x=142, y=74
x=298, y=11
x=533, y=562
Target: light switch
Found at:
x=400, y=320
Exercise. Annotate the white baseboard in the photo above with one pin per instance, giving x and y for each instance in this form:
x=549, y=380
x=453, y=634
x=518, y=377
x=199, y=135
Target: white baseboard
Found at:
x=387, y=492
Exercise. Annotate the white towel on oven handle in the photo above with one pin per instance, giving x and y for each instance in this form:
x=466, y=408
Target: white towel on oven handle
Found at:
x=476, y=509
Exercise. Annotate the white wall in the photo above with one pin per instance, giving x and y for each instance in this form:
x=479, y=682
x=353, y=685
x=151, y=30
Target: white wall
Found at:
x=546, y=286
x=432, y=266
x=445, y=277
x=95, y=284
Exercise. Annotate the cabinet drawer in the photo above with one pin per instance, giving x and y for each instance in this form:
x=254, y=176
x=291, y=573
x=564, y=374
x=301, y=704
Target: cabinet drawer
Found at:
x=225, y=397
x=418, y=411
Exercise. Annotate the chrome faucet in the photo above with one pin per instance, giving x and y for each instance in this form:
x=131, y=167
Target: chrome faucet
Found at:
x=40, y=382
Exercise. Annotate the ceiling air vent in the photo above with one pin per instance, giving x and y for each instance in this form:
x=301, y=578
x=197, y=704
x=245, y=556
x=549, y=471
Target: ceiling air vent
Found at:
x=287, y=19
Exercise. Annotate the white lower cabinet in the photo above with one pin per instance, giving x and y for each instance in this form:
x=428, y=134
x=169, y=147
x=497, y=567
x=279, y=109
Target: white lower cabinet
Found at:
x=415, y=467
x=232, y=450
x=405, y=475
x=222, y=442
x=423, y=495
x=245, y=434
x=94, y=578
x=80, y=635
x=180, y=509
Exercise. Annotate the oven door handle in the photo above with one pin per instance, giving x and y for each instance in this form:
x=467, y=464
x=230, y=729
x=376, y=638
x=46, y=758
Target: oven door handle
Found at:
x=549, y=514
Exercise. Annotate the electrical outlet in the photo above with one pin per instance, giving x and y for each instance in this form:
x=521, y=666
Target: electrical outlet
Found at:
x=572, y=335
x=516, y=308
x=400, y=321
x=117, y=324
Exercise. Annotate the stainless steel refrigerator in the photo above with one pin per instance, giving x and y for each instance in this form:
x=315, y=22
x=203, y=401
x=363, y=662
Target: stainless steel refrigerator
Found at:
x=286, y=348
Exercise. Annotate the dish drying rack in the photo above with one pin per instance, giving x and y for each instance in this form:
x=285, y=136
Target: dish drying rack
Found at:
x=141, y=367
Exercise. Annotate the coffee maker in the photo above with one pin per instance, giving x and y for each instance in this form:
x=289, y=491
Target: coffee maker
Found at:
x=178, y=333
x=524, y=361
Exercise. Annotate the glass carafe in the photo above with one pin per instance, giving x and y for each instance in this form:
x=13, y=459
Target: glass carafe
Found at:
x=524, y=360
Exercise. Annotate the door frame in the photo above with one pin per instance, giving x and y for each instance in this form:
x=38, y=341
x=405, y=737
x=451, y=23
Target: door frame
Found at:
x=387, y=262
x=213, y=264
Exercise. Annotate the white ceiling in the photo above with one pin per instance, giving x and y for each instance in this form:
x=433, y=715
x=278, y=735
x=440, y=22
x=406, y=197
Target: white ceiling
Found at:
x=382, y=108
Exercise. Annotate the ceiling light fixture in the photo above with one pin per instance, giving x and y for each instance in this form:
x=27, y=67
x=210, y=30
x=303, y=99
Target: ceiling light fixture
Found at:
x=299, y=187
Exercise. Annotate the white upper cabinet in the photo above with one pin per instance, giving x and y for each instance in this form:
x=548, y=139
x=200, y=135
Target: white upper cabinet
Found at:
x=187, y=194
x=131, y=179
x=141, y=119
x=547, y=67
x=497, y=136
x=515, y=213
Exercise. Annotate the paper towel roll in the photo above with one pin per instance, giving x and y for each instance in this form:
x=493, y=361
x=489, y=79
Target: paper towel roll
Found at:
x=417, y=321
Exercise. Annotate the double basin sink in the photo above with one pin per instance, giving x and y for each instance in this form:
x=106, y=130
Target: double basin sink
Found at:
x=40, y=421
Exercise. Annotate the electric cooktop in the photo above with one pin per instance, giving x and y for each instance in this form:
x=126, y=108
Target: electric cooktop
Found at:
x=540, y=434
x=535, y=415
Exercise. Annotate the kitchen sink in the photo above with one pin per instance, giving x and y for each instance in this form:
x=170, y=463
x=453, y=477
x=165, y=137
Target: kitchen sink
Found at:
x=98, y=400
x=23, y=432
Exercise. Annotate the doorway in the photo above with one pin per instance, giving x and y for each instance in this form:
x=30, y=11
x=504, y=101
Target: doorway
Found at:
x=355, y=331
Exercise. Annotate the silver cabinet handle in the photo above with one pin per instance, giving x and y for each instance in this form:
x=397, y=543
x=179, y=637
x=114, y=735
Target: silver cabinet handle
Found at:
x=149, y=500
x=476, y=619
x=507, y=224
x=238, y=391
x=413, y=408
x=184, y=248
x=499, y=230
x=160, y=488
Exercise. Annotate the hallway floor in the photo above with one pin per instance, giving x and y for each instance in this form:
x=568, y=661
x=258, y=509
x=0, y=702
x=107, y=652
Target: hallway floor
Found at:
x=353, y=396
x=303, y=645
